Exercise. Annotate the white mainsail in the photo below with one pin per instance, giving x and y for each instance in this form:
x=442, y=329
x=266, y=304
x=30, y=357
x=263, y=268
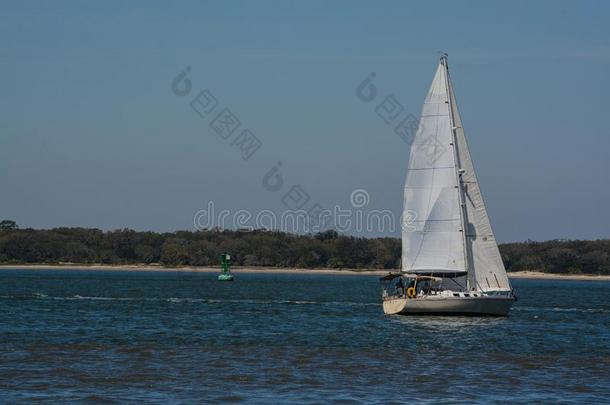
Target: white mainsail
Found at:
x=433, y=238
x=431, y=233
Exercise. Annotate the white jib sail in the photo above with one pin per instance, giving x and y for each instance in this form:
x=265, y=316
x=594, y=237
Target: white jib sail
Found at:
x=431, y=227
x=485, y=268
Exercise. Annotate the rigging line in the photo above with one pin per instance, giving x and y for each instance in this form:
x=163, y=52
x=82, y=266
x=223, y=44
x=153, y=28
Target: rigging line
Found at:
x=458, y=284
x=468, y=195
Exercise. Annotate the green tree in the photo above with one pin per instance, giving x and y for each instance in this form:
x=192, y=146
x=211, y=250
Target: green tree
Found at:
x=8, y=225
x=174, y=253
x=144, y=253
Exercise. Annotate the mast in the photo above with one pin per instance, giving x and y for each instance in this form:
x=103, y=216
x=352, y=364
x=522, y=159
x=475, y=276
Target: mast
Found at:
x=458, y=172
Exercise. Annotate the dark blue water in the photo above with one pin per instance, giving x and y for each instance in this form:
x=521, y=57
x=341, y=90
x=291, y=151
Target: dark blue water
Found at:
x=184, y=337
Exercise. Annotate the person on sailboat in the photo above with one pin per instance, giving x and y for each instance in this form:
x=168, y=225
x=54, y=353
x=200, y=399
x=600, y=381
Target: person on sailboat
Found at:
x=400, y=287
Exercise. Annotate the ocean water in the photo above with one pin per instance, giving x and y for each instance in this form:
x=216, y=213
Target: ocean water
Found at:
x=182, y=337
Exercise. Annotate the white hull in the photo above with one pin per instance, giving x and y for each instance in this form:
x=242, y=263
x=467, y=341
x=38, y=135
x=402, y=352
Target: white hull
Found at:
x=438, y=305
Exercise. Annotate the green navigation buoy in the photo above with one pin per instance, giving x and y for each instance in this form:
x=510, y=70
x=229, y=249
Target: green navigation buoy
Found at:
x=225, y=272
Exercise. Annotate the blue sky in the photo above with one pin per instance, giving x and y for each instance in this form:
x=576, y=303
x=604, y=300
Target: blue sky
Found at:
x=92, y=135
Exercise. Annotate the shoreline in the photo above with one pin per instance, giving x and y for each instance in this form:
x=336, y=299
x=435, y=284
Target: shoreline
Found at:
x=195, y=269
x=551, y=276
x=273, y=270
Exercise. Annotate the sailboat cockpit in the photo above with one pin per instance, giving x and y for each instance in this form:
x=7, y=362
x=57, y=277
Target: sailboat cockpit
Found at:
x=410, y=285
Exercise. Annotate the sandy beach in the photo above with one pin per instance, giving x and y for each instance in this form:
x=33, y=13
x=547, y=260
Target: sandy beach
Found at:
x=237, y=270
x=550, y=276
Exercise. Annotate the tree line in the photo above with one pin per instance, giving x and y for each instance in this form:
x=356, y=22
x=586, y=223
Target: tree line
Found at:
x=267, y=248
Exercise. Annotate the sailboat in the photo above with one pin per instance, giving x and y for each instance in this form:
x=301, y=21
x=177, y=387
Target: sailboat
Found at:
x=450, y=259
